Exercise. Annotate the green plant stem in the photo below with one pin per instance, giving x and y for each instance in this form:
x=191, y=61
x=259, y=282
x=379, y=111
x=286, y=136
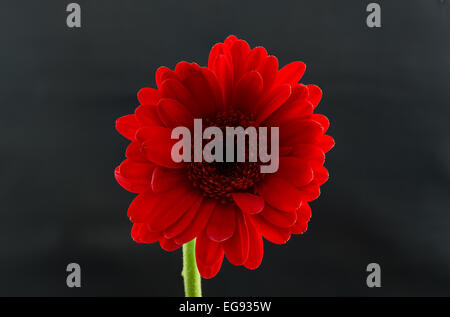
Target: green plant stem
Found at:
x=192, y=279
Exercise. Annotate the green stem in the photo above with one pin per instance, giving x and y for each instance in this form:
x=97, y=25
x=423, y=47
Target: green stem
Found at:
x=192, y=280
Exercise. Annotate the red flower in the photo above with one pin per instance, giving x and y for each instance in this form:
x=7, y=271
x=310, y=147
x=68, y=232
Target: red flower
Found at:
x=227, y=210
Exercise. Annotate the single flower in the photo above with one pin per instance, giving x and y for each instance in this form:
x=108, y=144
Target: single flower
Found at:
x=227, y=207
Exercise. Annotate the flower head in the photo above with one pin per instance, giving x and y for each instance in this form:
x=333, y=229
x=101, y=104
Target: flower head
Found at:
x=227, y=207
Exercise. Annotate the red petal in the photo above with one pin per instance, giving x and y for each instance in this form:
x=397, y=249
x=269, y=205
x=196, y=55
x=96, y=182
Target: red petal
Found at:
x=161, y=203
x=149, y=96
x=159, y=153
x=326, y=143
x=320, y=174
x=256, y=248
x=199, y=222
x=216, y=90
x=303, y=216
x=279, y=193
x=230, y=40
x=291, y=73
x=142, y=206
x=163, y=73
x=270, y=232
x=222, y=223
x=256, y=57
x=272, y=102
x=134, y=152
x=239, y=51
x=216, y=50
x=174, y=114
x=157, y=146
x=134, y=176
x=163, y=217
x=279, y=218
x=135, y=231
x=300, y=131
x=247, y=92
x=248, y=203
x=174, y=89
x=132, y=169
x=296, y=171
x=324, y=122
x=310, y=192
x=285, y=150
x=148, y=116
x=236, y=248
x=141, y=234
x=153, y=133
x=164, y=179
x=168, y=245
x=205, y=102
x=212, y=270
x=127, y=126
x=268, y=71
x=313, y=153
x=315, y=94
x=209, y=256
x=182, y=224
x=224, y=73
x=127, y=184
x=296, y=107
x=184, y=69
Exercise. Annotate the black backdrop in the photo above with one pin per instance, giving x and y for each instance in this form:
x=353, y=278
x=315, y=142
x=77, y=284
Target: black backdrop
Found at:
x=386, y=92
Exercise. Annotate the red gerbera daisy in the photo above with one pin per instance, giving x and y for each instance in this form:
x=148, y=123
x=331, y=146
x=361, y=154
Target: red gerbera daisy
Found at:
x=228, y=210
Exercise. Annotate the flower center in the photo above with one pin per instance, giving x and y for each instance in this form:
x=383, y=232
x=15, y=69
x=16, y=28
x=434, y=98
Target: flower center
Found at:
x=219, y=180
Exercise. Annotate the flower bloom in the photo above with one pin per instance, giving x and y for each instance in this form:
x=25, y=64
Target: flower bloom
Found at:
x=227, y=207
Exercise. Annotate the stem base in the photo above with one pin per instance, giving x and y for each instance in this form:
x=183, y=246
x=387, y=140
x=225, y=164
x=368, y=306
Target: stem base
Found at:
x=191, y=276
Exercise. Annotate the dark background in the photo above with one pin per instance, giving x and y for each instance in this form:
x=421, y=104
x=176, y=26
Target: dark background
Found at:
x=386, y=92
